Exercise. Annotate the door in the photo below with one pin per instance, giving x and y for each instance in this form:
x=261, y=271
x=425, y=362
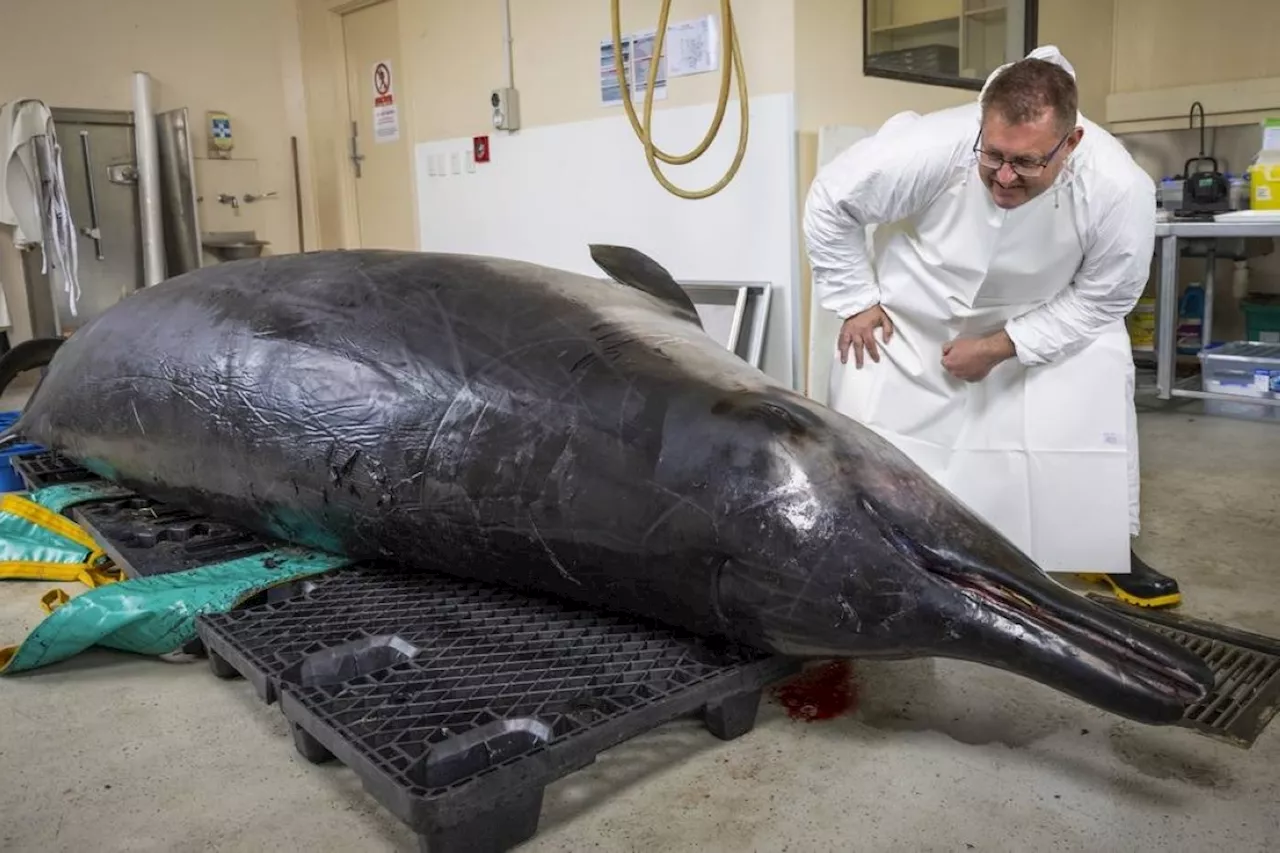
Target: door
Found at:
x=98, y=164
x=380, y=141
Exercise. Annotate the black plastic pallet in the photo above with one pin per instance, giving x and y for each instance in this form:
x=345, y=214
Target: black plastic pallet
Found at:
x=146, y=537
x=48, y=468
x=143, y=536
x=455, y=702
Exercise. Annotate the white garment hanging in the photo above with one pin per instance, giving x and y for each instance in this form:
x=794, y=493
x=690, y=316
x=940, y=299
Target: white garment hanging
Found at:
x=37, y=205
x=1045, y=448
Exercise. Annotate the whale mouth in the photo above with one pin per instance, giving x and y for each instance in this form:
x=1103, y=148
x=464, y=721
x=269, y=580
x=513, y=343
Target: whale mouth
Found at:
x=1107, y=638
x=1022, y=620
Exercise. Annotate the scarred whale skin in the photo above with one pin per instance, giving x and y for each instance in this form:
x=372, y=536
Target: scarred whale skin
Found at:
x=572, y=435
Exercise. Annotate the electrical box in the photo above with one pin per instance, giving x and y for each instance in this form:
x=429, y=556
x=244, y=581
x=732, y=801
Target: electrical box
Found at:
x=506, y=109
x=220, y=140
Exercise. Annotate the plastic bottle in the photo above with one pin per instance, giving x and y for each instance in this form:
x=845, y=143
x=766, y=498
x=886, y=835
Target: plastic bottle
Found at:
x=1190, y=319
x=1239, y=191
x=1240, y=280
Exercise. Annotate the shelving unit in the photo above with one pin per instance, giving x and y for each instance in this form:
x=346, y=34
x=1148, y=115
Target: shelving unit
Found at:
x=967, y=38
x=1169, y=243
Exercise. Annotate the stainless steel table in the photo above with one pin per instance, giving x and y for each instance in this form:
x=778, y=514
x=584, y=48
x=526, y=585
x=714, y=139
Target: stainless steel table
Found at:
x=1167, y=236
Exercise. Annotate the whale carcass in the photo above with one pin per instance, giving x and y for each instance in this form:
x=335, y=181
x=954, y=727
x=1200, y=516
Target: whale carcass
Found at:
x=574, y=435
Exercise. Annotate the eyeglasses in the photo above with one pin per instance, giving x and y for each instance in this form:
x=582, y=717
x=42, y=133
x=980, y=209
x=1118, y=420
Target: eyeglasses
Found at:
x=1021, y=166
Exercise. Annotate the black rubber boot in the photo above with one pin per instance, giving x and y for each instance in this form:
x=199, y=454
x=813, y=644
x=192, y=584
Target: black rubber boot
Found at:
x=1143, y=586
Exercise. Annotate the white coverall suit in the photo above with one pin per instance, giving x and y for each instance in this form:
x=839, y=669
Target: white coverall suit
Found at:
x=1045, y=447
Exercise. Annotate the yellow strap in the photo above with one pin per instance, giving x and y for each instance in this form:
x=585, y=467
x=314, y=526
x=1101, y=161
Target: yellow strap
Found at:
x=53, y=599
x=95, y=576
x=94, y=571
x=37, y=570
x=50, y=520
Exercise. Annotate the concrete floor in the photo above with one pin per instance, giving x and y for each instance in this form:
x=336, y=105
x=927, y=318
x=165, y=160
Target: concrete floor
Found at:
x=109, y=753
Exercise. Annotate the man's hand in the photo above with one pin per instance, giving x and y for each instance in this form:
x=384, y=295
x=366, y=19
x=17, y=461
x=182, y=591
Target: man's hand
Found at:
x=971, y=359
x=859, y=332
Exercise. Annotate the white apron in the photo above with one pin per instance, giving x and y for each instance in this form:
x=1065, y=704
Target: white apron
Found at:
x=1047, y=454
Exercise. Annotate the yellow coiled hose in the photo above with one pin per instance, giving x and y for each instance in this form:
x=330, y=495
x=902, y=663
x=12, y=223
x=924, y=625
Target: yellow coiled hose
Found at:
x=730, y=62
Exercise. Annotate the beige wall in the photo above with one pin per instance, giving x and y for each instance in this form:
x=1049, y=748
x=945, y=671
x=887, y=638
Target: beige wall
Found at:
x=1082, y=30
x=556, y=47
x=1169, y=54
x=1166, y=43
x=238, y=56
x=453, y=53
x=277, y=67
x=830, y=85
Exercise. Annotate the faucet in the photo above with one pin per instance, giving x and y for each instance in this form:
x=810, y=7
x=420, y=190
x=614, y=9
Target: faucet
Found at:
x=228, y=198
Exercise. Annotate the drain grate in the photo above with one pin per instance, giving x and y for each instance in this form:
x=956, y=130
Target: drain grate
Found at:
x=1246, y=667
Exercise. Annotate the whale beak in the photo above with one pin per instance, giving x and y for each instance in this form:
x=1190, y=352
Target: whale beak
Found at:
x=1003, y=610
x=1034, y=626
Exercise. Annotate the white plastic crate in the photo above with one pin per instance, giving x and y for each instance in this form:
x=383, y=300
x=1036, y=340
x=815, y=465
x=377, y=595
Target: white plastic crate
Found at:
x=1244, y=369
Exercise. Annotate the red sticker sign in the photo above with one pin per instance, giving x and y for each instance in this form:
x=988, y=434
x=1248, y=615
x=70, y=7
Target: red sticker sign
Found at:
x=382, y=79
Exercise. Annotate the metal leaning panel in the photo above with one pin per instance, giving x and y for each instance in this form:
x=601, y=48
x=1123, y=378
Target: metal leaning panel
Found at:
x=457, y=703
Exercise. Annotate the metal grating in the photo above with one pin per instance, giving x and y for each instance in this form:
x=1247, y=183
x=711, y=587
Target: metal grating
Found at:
x=1246, y=667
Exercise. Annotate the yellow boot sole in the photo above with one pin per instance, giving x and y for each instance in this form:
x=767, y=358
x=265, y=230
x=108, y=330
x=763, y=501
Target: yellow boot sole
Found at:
x=1170, y=600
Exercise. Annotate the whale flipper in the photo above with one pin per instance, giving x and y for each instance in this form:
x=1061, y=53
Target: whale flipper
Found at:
x=634, y=268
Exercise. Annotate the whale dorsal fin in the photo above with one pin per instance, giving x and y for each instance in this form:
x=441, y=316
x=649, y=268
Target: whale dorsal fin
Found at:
x=636, y=269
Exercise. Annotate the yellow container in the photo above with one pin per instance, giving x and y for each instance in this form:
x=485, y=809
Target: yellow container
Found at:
x=1142, y=325
x=1264, y=186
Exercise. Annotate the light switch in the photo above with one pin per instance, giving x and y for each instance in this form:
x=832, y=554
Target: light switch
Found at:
x=471, y=161
x=456, y=161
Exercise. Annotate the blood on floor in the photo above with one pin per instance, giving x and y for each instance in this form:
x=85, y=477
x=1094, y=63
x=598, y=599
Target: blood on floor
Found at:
x=819, y=693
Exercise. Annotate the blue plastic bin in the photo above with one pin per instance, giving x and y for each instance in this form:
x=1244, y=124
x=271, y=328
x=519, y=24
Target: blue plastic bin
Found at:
x=10, y=481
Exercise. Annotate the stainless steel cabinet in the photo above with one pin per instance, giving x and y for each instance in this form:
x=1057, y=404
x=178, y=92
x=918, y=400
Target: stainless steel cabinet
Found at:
x=99, y=163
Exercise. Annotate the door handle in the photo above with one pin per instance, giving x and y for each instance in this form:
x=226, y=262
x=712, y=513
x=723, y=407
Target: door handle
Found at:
x=356, y=156
x=92, y=231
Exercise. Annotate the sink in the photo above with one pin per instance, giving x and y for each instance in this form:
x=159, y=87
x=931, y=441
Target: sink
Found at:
x=233, y=245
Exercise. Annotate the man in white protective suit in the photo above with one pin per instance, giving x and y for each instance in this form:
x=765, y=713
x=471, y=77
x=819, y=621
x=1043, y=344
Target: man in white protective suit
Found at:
x=983, y=321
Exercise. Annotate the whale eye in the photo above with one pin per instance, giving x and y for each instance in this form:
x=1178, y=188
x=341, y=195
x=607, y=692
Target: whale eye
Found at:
x=776, y=416
x=779, y=417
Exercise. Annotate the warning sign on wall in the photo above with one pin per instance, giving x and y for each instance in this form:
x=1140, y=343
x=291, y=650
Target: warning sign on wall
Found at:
x=386, y=115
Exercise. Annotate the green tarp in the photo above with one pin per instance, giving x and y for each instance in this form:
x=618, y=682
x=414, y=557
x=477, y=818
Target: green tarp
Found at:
x=148, y=616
